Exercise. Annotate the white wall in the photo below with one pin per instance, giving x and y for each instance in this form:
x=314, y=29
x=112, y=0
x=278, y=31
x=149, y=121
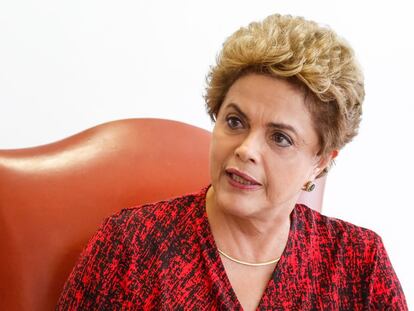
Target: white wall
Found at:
x=69, y=65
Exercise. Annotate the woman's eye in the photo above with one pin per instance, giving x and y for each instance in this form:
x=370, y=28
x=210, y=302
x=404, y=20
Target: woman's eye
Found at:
x=234, y=122
x=282, y=140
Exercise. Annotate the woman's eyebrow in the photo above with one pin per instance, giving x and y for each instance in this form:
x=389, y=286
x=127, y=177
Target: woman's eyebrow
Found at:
x=239, y=111
x=272, y=125
x=282, y=126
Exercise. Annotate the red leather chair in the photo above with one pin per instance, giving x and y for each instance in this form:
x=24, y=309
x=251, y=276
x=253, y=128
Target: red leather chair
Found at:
x=54, y=197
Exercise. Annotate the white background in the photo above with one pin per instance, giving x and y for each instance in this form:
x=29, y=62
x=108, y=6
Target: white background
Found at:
x=69, y=65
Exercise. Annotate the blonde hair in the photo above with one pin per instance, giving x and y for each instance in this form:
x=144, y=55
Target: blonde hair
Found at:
x=306, y=54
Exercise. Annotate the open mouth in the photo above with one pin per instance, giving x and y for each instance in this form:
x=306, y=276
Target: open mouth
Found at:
x=241, y=178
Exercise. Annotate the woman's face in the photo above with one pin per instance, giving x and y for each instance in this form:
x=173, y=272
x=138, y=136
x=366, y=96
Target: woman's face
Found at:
x=264, y=146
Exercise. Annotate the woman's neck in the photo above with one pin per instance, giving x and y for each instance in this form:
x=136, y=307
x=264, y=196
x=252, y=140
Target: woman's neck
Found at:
x=253, y=238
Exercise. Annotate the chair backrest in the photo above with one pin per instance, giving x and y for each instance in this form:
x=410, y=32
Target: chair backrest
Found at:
x=53, y=197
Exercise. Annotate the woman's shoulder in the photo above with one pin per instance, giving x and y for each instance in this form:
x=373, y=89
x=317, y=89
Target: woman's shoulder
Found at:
x=334, y=230
x=356, y=253
x=156, y=215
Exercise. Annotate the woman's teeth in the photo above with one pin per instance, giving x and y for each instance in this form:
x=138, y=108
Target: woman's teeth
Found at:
x=240, y=180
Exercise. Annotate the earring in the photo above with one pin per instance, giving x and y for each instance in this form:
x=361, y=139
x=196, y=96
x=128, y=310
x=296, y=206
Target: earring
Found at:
x=309, y=186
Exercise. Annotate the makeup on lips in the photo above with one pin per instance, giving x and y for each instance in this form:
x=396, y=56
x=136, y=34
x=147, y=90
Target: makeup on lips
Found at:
x=241, y=180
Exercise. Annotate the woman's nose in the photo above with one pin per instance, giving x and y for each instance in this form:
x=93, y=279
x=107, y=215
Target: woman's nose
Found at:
x=249, y=149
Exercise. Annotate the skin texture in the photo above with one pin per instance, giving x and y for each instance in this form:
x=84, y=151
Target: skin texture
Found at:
x=265, y=134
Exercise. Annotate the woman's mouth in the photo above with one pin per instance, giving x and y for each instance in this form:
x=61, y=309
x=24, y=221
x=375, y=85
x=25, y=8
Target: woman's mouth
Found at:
x=241, y=180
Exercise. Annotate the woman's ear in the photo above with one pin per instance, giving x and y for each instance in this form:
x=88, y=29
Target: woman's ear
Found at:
x=324, y=162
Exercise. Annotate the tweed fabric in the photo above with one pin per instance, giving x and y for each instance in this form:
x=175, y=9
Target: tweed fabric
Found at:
x=162, y=256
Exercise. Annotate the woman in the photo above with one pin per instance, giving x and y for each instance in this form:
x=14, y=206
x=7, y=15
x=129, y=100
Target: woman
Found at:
x=285, y=96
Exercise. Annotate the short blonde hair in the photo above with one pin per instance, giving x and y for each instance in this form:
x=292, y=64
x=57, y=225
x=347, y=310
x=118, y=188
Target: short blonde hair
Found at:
x=306, y=54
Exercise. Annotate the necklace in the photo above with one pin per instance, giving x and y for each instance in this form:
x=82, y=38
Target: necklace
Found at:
x=259, y=264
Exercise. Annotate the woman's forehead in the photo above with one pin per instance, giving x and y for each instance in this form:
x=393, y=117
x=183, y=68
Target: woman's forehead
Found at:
x=266, y=88
x=269, y=97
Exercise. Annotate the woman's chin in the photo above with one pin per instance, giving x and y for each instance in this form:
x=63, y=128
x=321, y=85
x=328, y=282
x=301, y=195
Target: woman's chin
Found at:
x=245, y=203
x=239, y=205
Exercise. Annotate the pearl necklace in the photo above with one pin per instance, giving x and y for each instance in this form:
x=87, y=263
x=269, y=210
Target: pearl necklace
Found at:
x=248, y=263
